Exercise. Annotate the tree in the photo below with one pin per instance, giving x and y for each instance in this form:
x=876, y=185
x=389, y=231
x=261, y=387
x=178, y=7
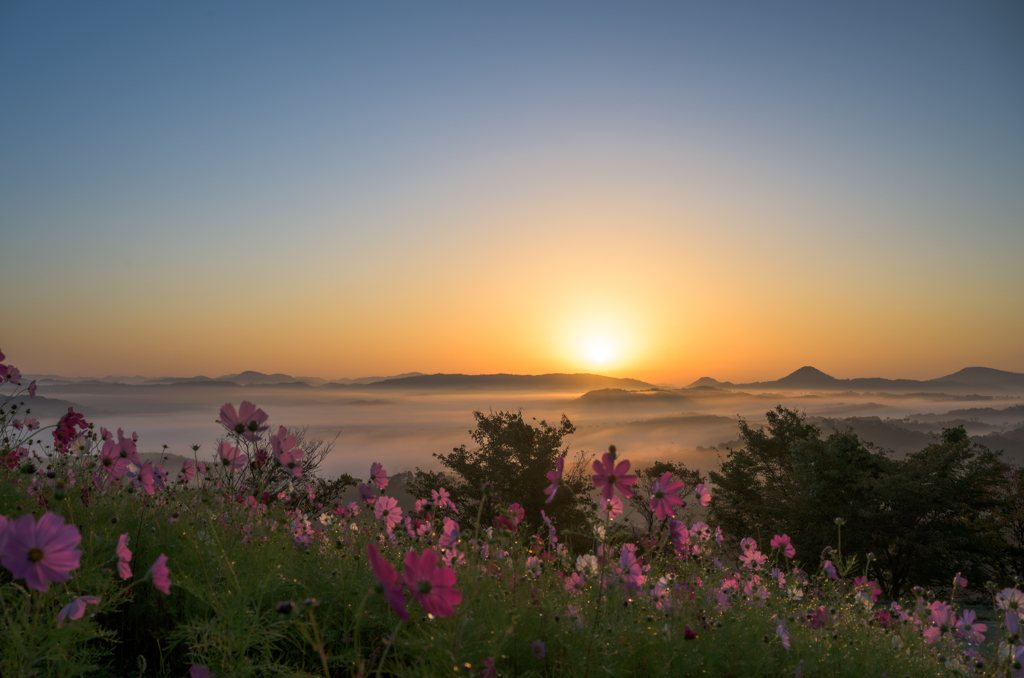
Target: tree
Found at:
x=513, y=458
x=924, y=517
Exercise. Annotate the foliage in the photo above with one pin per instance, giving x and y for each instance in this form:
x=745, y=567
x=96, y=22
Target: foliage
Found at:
x=512, y=458
x=925, y=517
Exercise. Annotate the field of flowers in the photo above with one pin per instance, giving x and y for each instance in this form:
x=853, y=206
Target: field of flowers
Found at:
x=234, y=566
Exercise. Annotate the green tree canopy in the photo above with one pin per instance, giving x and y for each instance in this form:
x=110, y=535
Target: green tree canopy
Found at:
x=513, y=457
x=924, y=517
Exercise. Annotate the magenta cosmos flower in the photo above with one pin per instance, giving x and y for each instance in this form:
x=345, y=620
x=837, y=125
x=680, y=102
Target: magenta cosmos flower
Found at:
x=124, y=556
x=41, y=553
x=609, y=476
x=555, y=478
x=75, y=609
x=378, y=476
x=390, y=584
x=231, y=456
x=160, y=575
x=386, y=508
x=664, y=499
x=431, y=586
x=247, y=422
x=288, y=455
x=781, y=541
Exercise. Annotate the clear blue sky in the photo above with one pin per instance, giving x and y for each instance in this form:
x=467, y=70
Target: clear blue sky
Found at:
x=727, y=188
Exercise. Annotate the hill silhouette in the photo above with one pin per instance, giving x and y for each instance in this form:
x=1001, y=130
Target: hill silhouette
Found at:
x=966, y=381
x=509, y=382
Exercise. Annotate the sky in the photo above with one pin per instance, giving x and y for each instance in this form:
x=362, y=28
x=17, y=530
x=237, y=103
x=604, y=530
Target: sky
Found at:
x=656, y=190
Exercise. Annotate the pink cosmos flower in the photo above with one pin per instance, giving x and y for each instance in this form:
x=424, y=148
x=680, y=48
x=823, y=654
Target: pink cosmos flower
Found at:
x=680, y=535
x=943, y=621
x=702, y=494
x=41, y=552
x=783, y=542
x=783, y=636
x=539, y=651
x=127, y=448
x=517, y=513
x=188, y=471
x=124, y=556
x=114, y=465
x=611, y=507
x=449, y=534
x=965, y=627
x=160, y=575
x=13, y=375
x=830, y=570
x=632, y=574
x=489, y=670
x=609, y=476
x=1010, y=599
x=286, y=452
x=753, y=559
x=32, y=389
x=387, y=509
x=866, y=589
x=378, y=476
x=231, y=456
x=959, y=582
x=197, y=671
x=64, y=433
x=390, y=584
x=147, y=478
x=247, y=422
x=555, y=478
x=431, y=586
x=664, y=499
x=31, y=423
x=75, y=609
x=748, y=544
x=442, y=498
x=366, y=494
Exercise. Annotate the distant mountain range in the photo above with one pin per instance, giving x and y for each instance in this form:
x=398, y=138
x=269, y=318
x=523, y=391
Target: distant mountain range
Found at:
x=967, y=380
x=970, y=380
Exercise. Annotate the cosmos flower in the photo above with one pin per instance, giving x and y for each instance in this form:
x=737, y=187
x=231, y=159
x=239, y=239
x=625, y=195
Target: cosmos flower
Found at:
x=664, y=497
x=702, y=494
x=609, y=476
x=783, y=542
x=611, y=507
x=160, y=575
x=247, y=422
x=75, y=609
x=40, y=553
x=123, y=557
x=378, y=476
x=555, y=478
x=286, y=452
x=442, y=498
x=387, y=509
x=231, y=456
x=432, y=587
x=390, y=585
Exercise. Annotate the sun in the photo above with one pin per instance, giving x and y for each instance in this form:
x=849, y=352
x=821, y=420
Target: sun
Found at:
x=600, y=350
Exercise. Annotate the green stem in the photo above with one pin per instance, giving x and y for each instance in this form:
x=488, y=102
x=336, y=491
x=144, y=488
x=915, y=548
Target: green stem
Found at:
x=394, y=637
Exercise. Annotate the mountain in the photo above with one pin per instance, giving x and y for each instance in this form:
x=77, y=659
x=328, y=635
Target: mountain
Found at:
x=249, y=378
x=371, y=380
x=966, y=381
x=509, y=382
